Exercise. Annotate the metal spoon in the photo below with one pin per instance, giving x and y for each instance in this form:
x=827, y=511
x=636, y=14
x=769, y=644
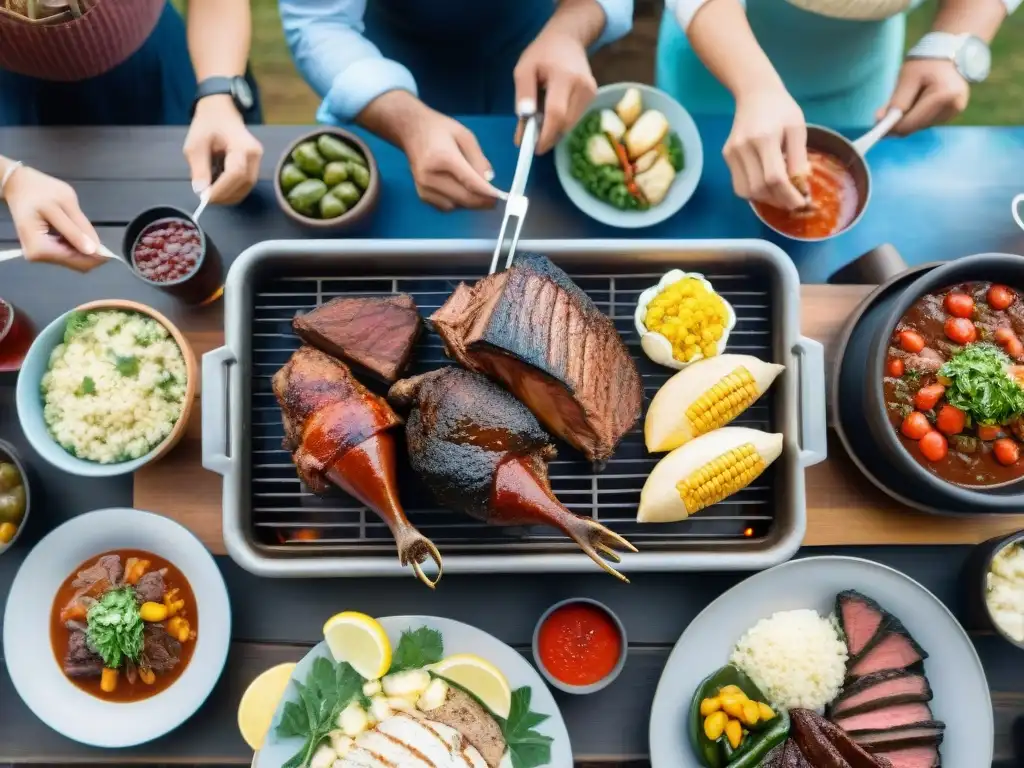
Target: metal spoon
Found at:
x=102, y=251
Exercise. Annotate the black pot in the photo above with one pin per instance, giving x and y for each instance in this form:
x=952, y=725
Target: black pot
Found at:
x=857, y=396
x=975, y=611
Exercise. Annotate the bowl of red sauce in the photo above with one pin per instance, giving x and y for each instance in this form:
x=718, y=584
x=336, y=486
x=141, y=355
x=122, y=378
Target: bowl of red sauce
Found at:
x=579, y=646
x=168, y=250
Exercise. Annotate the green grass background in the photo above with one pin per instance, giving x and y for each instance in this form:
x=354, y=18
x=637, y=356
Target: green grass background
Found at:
x=287, y=99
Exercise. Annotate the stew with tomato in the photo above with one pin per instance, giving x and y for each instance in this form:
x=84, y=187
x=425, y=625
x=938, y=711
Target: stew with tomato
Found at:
x=123, y=625
x=954, y=383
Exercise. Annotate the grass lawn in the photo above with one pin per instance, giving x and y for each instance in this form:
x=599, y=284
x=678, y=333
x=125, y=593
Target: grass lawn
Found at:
x=287, y=98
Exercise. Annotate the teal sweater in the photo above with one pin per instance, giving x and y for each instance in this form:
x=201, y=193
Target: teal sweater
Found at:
x=841, y=72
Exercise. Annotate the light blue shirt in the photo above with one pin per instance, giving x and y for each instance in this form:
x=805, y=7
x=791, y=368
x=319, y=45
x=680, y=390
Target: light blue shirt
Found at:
x=348, y=71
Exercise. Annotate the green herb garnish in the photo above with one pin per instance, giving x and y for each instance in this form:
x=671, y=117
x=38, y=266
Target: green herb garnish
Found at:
x=417, y=649
x=981, y=386
x=674, y=145
x=87, y=387
x=115, y=627
x=127, y=366
x=76, y=323
x=328, y=689
x=526, y=747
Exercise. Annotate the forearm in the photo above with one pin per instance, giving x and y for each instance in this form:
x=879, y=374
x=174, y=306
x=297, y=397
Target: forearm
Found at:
x=976, y=17
x=582, y=19
x=721, y=36
x=391, y=112
x=219, y=35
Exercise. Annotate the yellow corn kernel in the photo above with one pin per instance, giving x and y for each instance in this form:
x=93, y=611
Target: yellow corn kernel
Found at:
x=710, y=706
x=731, y=690
x=147, y=675
x=7, y=531
x=671, y=311
x=764, y=711
x=714, y=725
x=719, y=405
x=732, y=705
x=153, y=612
x=734, y=733
x=108, y=680
x=655, y=313
x=751, y=714
x=719, y=478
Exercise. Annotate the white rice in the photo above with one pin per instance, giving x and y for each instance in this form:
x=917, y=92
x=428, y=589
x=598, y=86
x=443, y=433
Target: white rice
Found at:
x=797, y=659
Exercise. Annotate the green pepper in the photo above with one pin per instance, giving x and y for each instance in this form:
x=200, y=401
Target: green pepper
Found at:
x=335, y=173
x=308, y=159
x=334, y=148
x=291, y=177
x=757, y=742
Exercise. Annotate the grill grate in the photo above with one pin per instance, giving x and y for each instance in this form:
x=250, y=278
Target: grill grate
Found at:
x=286, y=515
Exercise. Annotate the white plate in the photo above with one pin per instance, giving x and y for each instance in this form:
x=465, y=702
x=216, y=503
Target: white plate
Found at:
x=458, y=638
x=34, y=669
x=957, y=678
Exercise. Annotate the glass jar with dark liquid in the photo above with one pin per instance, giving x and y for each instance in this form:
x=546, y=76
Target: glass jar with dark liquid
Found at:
x=16, y=335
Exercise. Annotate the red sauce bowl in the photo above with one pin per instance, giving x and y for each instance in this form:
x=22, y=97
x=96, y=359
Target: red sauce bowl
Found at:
x=579, y=646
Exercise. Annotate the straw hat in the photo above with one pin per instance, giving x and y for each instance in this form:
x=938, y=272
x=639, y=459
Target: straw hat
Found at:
x=855, y=10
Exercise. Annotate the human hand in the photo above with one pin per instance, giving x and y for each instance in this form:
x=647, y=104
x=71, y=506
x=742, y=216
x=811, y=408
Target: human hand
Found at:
x=767, y=148
x=41, y=205
x=217, y=127
x=556, y=62
x=929, y=91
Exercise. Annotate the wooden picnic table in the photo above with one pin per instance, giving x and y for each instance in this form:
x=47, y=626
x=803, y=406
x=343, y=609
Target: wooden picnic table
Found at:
x=939, y=195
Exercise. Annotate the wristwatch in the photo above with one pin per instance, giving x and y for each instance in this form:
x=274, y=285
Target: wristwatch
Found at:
x=970, y=54
x=235, y=87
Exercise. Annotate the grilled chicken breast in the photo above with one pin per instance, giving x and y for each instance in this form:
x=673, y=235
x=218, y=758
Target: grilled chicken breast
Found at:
x=402, y=740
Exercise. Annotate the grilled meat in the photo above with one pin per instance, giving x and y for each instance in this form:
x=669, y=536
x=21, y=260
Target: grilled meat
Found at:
x=893, y=716
x=403, y=740
x=339, y=432
x=925, y=756
x=376, y=333
x=892, y=648
x=860, y=618
x=477, y=726
x=482, y=452
x=893, y=739
x=535, y=331
x=825, y=746
x=880, y=689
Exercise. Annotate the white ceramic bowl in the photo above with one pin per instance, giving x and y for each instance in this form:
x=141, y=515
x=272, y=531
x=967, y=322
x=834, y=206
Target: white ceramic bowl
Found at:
x=34, y=669
x=656, y=346
x=683, y=186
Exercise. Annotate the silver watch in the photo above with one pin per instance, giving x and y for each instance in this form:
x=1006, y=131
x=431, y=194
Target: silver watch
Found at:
x=970, y=54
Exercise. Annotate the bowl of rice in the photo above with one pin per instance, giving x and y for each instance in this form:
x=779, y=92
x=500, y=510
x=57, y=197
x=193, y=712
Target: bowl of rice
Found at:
x=106, y=389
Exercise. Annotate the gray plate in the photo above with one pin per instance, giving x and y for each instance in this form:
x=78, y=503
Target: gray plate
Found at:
x=953, y=668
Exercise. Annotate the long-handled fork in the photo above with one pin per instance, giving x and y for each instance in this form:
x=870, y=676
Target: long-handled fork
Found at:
x=517, y=203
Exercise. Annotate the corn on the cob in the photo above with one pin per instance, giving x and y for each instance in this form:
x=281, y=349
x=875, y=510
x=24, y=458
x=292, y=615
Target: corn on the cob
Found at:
x=705, y=396
x=705, y=471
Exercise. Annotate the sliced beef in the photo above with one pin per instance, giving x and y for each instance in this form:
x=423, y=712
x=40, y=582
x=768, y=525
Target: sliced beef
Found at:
x=860, y=618
x=880, y=689
x=913, y=757
x=775, y=758
x=793, y=757
x=852, y=752
x=894, y=716
x=150, y=588
x=376, y=333
x=817, y=749
x=893, y=648
x=108, y=567
x=535, y=331
x=825, y=745
x=160, y=651
x=926, y=734
x=81, y=660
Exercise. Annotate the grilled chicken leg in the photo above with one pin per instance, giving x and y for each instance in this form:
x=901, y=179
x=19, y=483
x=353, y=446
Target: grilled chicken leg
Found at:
x=339, y=432
x=482, y=452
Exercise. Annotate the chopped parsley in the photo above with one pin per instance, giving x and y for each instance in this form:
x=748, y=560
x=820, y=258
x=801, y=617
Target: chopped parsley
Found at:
x=115, y=627
x=87, y=387
x=980, y=384
x=127, y=366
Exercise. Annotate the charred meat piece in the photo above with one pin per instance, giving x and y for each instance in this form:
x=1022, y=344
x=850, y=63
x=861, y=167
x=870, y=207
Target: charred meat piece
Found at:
x=150, y=587
x=893, y=716
x=376, y=333
x=477, y=726
x=793, y=757
x=535, y=331
x=482, y=452
x=860, y=617
x=851, y=751
x=339, y=432
x=880, y=689
x=81, y=660
x=891, y=648
x=826, y=746
x=918, y=734
x=913, y=757
x=160, y=651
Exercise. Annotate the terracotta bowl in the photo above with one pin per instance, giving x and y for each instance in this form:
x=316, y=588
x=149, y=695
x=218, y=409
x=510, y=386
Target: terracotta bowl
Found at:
x=358, y=213
x=30, y=408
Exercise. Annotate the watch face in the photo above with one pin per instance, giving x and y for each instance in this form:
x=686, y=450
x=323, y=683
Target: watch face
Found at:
x=974, y=60
x=242, y=92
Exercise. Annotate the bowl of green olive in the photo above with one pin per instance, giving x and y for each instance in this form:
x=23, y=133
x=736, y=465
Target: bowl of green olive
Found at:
x=14, y=496
x=327, y=179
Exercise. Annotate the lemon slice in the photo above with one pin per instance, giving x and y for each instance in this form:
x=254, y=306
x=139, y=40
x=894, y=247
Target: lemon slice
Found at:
x=361, y=641
x=479, y=677
x=259, y=702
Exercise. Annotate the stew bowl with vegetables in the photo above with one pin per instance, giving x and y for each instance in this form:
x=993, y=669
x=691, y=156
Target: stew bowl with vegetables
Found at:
x=633, y=160
x=137, y=616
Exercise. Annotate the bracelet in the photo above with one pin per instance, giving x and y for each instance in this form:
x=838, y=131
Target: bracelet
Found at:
x=7, y=175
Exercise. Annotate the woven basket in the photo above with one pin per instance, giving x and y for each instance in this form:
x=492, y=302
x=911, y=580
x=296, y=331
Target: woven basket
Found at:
x=855, y=10
x=85, y=39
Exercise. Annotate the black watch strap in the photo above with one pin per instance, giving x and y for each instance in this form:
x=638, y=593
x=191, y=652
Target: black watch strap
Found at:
x=235, y=87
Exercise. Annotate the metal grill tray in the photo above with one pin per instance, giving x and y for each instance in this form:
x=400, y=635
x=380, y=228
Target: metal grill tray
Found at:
x=269, y=514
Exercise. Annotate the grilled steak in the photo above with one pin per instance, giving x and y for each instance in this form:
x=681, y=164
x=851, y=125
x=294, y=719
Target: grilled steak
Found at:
x=892, y=648
x=376, y=333
x=534, y=330
x=913, y=757
x=81, y=660
x=826, y=746
x=928, y=734
x=860, y=618
x=893, y=716
x=880, y=689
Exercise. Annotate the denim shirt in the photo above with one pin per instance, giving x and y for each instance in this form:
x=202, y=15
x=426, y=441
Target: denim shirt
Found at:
x=327, y=41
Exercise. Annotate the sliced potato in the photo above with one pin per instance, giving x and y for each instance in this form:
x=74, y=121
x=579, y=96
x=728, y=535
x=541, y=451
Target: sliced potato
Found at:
x=630, y=106
x=655, y=182
x=646, y=133
x=646, y=160
x=704, y=396
x=612, y=124
x=705, y=471
x=600, y=151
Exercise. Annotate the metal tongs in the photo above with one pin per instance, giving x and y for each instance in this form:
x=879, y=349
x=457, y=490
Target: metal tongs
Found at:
x=517, y=203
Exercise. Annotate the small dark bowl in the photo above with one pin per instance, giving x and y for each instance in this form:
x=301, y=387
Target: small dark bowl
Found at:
x=367, y=203
x=605, y=681
x=10, y=455
x=204, y=284
x=975, y=607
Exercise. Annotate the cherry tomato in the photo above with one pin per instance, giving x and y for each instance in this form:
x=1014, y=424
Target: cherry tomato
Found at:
x=1006, y=450
x=933, y=446
x=961, y=330
x=959, y=304
x=950, y=420
x=928, y=397
x=915, y=425
x=999, y=297
x=895, y=367
x=911, y=341
x=1004, y=336
x=988, y=432
x=1015, y=349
